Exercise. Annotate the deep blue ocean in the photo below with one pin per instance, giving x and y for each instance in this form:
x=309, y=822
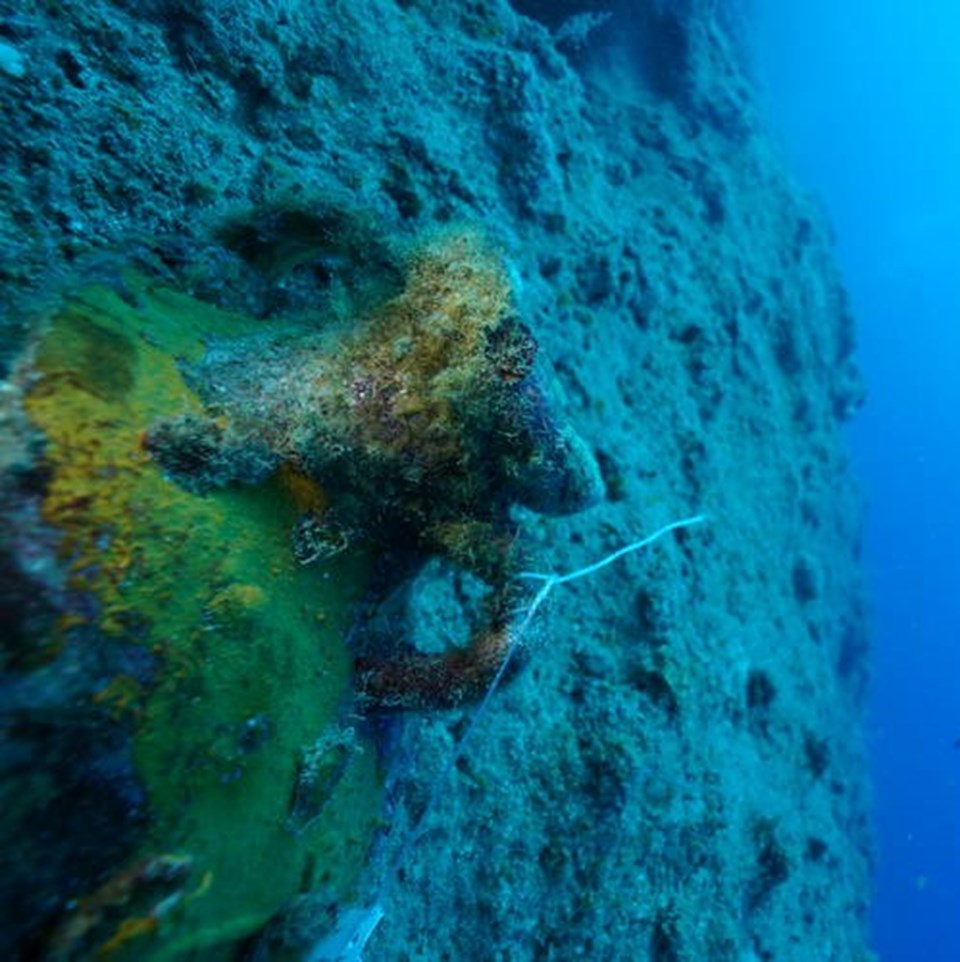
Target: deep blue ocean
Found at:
x=866, y=98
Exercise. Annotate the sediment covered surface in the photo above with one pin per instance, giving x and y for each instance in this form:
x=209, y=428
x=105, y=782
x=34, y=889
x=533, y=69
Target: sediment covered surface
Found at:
x=676, y=773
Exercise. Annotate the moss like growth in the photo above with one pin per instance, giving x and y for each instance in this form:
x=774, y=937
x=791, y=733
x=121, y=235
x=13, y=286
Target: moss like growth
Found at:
x=249, y=671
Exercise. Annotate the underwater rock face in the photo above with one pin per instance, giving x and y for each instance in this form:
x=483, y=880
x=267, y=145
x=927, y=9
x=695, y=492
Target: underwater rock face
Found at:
x=677, y=774
x=174, y=670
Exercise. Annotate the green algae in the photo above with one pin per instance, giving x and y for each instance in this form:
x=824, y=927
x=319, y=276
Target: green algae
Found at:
x=251, y=671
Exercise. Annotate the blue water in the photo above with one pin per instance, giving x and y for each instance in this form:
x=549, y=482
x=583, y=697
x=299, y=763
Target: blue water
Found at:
x=867, y=96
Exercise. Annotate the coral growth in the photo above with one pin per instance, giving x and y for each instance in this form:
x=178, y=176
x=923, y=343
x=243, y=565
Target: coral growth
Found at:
x=422, y=425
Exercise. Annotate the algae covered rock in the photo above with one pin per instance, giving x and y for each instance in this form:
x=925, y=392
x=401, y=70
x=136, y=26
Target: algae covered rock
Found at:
x=637, y=793
x=192, y=677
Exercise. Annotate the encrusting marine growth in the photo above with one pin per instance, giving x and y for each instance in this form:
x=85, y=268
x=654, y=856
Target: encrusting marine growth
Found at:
x=414, y=432
x=179, y=668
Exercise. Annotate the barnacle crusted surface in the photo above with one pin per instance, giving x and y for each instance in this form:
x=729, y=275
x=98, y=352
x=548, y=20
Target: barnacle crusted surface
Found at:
x=416, y=415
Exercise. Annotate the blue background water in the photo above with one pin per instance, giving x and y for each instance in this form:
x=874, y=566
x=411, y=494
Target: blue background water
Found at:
x=867, y=96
